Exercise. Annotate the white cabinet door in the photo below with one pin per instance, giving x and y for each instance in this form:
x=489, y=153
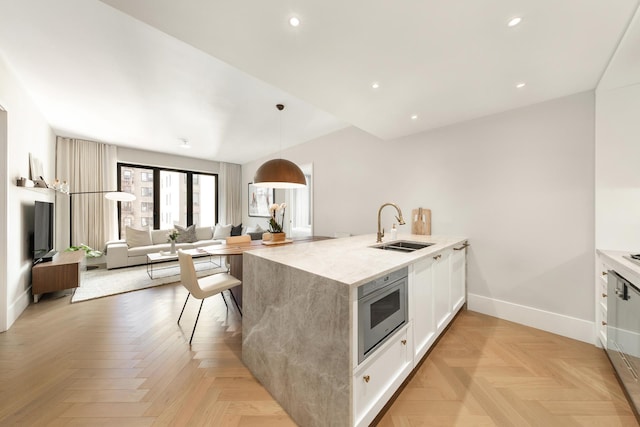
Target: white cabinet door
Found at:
x=421, y=300
x=380, y=376
x=442, y=289
x=458, y=277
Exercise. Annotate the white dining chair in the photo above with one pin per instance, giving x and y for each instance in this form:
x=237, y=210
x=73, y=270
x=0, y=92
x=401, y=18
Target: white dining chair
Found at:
x=203, y=287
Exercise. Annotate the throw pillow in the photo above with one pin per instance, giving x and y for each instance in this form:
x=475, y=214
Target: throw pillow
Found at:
x=222, y=231
x=136, y=238
x=236, y=230
x=187, y=235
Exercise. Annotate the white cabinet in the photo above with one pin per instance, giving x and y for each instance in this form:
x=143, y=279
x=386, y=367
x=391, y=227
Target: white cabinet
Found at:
x=375, y=381
x=437, y=290
x=442, y=289
x=421, y=302
x=458, y=276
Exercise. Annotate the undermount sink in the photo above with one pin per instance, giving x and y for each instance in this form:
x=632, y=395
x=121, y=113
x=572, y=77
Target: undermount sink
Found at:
x=402, y=246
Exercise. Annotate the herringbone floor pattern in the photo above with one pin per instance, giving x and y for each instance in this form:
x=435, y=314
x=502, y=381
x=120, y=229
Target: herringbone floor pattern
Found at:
x=123, y=361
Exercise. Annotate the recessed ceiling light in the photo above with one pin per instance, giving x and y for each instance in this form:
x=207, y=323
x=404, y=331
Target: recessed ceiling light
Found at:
x=414, y=117
x=514, y=21
x=375, y=85
x=521, y=85
x=294, y=21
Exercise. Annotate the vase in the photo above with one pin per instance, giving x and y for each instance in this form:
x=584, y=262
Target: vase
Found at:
x=278, y=237
x=173, y=246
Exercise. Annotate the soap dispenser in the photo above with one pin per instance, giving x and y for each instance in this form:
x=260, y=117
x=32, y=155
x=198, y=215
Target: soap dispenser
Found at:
x=394, y=232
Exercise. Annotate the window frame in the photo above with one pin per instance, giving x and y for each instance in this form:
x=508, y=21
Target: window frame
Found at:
x=156, y=191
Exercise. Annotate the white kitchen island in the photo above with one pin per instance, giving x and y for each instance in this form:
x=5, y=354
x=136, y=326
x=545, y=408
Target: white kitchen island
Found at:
x=300, y=322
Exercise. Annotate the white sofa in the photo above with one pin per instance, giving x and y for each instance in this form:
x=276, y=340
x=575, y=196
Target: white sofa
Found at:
x=119, y=254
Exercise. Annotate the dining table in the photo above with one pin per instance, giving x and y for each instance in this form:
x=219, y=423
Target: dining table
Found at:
x=234, y=252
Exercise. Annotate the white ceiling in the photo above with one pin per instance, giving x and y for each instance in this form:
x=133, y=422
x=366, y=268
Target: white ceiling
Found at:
x=212, y=71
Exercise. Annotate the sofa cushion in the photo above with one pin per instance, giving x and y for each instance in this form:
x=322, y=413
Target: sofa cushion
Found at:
x=222, y=231
x=204, y=233
x=236, y=230
x=186, y=235
x=137, y=237
x=256, y=235
x=159, y=237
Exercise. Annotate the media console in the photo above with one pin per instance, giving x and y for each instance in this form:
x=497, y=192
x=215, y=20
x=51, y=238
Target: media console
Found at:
x=57, y=275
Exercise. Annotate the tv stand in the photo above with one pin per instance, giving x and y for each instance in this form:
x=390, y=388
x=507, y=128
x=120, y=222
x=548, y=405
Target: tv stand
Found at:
x=63, y=272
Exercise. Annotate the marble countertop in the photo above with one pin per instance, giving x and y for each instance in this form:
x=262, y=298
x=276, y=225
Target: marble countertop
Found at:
x=352, y=260
x=628, y=269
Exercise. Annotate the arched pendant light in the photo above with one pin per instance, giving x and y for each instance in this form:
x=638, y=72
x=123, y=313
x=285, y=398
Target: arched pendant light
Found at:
x=279, y=173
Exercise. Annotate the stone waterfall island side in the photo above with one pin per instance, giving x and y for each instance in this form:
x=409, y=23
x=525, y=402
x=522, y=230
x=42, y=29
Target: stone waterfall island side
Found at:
x=298, y=327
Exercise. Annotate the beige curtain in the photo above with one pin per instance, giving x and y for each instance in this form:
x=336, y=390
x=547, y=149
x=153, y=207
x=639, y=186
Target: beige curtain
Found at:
x=89, y=167
x=231, y=189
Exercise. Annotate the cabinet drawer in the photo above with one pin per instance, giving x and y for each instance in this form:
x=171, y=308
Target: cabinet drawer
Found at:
x=380, y=376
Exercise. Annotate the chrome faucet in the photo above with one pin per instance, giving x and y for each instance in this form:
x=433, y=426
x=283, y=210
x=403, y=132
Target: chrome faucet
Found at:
x=398, y=217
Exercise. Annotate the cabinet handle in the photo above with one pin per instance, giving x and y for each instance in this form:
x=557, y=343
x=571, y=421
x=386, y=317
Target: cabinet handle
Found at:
x=404, y=342
x=366, y=378
x=465, y=244
x=437, y=257
x=604, y=273
x=604, y=295
x=604, y=323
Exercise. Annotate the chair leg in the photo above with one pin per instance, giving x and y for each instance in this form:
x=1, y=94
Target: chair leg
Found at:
x=224, y=299
x=185, y=304
x=196, y=324
x=236, y=302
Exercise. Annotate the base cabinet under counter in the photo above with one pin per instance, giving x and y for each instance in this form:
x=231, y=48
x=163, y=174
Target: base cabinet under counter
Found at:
x=301, y=328
x=380, y=375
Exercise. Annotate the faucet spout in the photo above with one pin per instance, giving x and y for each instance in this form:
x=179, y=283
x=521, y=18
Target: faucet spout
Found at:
x=398, y=217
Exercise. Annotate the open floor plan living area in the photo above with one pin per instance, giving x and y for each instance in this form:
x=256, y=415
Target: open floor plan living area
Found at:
x=319, y=213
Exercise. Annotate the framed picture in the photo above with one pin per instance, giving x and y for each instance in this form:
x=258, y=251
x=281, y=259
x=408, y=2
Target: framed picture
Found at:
x=35, y=167
x=260, y=198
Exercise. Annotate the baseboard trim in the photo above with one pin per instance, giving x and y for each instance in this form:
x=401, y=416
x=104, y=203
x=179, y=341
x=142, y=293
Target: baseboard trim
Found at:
x=18, y=306
x=567, y=326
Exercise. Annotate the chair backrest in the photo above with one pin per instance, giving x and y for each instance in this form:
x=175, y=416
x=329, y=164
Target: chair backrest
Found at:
x=188, y=275
x=245, y=238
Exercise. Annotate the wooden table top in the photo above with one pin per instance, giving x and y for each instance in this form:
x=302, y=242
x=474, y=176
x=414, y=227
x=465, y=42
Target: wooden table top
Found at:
x=240, y=248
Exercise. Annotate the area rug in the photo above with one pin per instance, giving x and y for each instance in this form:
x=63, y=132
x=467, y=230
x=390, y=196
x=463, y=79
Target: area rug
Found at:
x=100, y=282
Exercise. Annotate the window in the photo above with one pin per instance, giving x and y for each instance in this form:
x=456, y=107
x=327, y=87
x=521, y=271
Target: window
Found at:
x=204, y=200
x=173, y=193
x=166, y=197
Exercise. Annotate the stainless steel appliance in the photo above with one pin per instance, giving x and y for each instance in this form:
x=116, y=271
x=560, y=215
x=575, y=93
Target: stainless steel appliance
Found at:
x=623, y=333
x=382, y=309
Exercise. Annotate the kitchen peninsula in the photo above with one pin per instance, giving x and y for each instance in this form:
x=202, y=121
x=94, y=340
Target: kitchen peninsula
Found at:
x=301, y=321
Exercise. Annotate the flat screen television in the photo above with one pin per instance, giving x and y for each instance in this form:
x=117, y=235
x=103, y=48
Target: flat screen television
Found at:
x=43, y=232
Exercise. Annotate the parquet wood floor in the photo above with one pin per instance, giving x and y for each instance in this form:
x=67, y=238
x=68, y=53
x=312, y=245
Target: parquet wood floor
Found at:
x=123, y=361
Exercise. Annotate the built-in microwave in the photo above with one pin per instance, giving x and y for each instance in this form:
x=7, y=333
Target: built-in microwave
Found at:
x=382, y=309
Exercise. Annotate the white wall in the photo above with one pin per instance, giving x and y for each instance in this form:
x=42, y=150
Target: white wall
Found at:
x=27, y=132
x=618, y=148
x=131, y=155
x=519, y=184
